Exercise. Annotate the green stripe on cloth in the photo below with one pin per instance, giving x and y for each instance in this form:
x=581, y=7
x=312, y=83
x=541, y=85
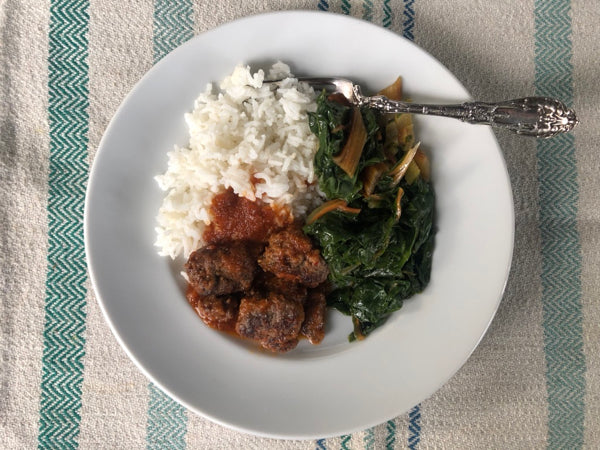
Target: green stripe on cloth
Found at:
x=390, y=438
x=387, y=14
x=345, y=441
x=561, y=252
x=167, y=423
x=173, y=25
x=369, y=439
x=167, y=419
x=346, y=7
x=64, y=328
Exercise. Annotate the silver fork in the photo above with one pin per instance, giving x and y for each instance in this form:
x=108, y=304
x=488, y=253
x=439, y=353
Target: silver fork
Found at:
x=540, y=117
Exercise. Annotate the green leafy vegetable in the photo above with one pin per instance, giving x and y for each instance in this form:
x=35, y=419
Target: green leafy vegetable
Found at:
x=382, y=255
x=329, y=124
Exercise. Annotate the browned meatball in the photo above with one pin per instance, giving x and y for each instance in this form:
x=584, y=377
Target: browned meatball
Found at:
x=273, y=321
x=216, y=312
x=222, y=269
x=313, y=327
x=290, y=255
x=267, y=282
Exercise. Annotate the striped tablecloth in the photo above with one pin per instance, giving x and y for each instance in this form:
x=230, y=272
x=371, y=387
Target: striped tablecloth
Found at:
x=65, y=66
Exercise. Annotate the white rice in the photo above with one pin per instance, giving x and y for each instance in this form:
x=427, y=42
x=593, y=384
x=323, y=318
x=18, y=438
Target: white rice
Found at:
x=246, y=130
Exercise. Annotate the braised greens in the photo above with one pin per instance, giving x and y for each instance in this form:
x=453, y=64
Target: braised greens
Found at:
x=382, y=254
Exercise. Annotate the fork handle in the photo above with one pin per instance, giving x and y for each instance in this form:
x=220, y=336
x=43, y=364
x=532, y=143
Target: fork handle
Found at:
x=531, y=116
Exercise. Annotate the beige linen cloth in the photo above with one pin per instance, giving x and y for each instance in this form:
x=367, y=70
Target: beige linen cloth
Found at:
x=65, y=66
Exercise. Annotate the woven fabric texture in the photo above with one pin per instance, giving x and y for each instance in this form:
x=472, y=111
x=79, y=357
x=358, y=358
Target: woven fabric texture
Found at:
x=65, y=67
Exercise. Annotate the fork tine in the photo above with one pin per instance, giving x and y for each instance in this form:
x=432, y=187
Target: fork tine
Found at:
x=330, y=84
x=341, y=85
x=324, y=83
x=318, y=84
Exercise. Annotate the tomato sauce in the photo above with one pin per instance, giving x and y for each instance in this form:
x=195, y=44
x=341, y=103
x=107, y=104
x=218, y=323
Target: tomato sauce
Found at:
x=237, y=218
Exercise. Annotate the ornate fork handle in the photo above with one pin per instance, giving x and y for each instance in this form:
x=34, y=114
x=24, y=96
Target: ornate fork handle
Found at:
x=540, y=117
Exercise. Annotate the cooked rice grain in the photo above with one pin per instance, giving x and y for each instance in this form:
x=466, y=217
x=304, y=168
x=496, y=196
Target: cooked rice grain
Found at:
x=246, y=131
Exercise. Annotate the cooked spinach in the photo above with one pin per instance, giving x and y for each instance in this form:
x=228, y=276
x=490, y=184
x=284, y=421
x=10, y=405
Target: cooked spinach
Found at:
x=329, y=124
x=381, y=256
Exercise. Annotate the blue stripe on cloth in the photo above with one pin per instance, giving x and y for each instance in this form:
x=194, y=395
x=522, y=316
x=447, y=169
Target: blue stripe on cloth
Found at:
x=64, y=327
x=561, y=251
x=323, y=5
x=367, y=10
x=414, y=427
x=320, y=444
x=408, y=22
x=167, y=419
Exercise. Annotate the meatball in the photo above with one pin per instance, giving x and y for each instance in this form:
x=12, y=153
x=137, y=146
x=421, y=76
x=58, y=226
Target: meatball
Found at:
x=272, y=321
x=222, y=269
x=219, y=313
x=267, y=282
x=290, y=255
x=313, y=327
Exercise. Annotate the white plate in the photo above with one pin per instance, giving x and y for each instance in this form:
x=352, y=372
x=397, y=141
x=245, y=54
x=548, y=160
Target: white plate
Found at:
x=314, y=391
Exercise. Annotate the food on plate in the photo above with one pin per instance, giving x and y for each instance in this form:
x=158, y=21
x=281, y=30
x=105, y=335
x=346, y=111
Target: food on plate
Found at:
x=270, y=319
x=376, y=229
x=262, y=280
x=222, y=268
x=234, y=196
x=283, y=203
x=246, y=137
x=290, y=256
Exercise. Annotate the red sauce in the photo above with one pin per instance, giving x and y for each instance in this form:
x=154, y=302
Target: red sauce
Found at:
x=237, y=218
